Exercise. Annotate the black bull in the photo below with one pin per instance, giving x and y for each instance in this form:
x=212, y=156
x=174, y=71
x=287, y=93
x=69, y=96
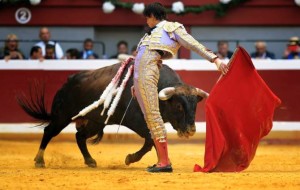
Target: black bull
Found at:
x=177, y=107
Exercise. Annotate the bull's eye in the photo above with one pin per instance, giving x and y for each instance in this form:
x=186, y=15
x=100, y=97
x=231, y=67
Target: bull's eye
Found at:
x=179, y=107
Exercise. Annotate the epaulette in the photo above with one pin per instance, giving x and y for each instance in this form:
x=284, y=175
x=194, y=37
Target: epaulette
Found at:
x=171, y=26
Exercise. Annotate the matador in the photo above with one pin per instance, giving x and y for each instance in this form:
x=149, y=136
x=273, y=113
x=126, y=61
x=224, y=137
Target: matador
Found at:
x=161, y=43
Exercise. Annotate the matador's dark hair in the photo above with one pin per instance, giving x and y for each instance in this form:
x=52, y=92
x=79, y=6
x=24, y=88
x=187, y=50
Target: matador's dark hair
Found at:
x=157, y=10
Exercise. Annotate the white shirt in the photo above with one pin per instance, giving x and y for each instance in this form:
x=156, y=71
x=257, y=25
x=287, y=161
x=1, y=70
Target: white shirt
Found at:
x=58, y=50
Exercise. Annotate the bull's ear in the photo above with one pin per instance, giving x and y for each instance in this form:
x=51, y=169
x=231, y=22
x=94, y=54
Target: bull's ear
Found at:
x=166, y=93
x=202, y=93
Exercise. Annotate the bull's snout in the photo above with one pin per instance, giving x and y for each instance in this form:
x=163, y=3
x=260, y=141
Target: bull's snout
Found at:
x=190, y=131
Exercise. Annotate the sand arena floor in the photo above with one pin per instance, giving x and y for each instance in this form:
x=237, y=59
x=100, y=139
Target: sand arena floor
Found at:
x=276, y=166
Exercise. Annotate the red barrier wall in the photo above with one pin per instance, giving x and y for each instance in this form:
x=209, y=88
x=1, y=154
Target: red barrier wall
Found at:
x=284, y=83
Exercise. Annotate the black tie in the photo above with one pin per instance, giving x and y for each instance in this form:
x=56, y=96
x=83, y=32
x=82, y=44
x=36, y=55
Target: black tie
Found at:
x=150, y=30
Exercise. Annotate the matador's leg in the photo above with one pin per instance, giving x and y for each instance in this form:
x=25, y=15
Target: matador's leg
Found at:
x=146, y=92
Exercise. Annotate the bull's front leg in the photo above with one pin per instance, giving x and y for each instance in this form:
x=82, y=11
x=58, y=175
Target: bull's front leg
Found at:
x=135, y=157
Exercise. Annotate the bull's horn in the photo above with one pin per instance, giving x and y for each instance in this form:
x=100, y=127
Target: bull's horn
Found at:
x=166, y=93
x=202, y=93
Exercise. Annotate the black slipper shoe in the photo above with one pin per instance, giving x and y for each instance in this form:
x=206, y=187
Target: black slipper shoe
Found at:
x=155, y=169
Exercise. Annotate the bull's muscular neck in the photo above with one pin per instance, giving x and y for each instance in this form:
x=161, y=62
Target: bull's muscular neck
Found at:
x=169, y=79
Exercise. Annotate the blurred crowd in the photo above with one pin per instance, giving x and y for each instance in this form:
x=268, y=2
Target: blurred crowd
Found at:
x=292, y=50
x=49, y=49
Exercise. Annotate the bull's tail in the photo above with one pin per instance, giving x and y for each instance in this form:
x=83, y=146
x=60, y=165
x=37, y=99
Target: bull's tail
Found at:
x=34, y=105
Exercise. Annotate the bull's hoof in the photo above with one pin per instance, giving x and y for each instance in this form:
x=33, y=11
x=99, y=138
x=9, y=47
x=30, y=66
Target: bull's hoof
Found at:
x=39, y=165
x=90, y=162
x=129, y=159
x=39, y=162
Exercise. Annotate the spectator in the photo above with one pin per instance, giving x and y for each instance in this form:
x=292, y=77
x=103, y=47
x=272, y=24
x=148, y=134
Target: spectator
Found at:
x=261, y=51
x=88, y=52
x=50, y=51
x=293, y=49
x=223, y=50
x=122, y=48
x=36, y=53
x=72, y=53
x=11, y=48
x=123, y=56
x=134, y=51
x=45, y=39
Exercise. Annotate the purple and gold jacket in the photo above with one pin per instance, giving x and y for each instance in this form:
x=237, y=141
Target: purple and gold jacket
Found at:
x=169, y=36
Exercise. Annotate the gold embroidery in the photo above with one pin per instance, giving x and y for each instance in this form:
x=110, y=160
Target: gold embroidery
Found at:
x=171, y=26
x=189, y=42
x=154, y=41
x=147, y=88
x=170, y=50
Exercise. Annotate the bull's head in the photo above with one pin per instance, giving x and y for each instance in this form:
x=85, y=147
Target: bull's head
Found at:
x=179, y=107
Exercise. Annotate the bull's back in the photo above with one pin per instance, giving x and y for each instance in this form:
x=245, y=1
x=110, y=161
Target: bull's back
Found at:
x=82, y=88
x=93, y=79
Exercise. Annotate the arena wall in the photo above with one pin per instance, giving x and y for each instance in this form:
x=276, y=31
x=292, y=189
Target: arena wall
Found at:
x=282, y=76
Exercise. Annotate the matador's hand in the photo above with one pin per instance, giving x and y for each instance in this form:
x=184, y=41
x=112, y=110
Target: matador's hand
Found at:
x=222, y=67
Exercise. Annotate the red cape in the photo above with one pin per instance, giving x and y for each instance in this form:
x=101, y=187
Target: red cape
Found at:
x=239, y=112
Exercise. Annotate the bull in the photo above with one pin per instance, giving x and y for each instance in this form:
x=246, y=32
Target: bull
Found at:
x=177, y=104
